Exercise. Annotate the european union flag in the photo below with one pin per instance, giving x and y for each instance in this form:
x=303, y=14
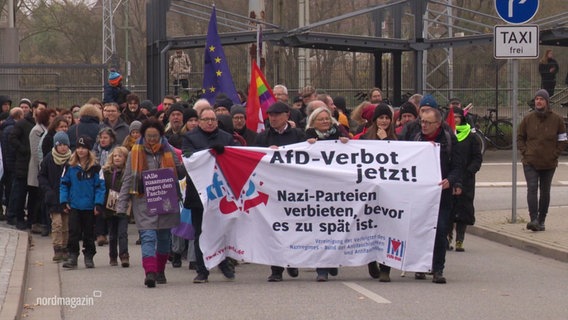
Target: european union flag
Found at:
x=216, y=74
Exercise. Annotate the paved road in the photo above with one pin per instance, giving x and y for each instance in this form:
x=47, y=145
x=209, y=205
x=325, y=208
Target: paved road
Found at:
x=488, y=281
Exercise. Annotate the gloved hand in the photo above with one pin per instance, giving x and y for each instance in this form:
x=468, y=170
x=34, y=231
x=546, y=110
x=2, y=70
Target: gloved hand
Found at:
x=218, y=148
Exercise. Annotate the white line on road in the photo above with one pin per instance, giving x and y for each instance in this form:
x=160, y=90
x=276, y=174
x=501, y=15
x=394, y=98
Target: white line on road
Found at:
x=498, y=184
x=367, y=293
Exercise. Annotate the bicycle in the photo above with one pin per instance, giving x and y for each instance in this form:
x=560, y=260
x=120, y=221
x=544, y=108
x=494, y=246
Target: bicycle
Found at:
x=489, y=129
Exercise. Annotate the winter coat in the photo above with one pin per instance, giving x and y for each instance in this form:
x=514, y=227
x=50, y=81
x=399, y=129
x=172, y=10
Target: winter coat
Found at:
x=271, y=137
x=49, y=178
x=470, y=151
x=197, y=140
x=20, y=141
x=127, y=116
x=102, y=153
x=8, y=152
x=113, y=181
x=33, y=167
x=144, y=221
x=451, y=163
x=248, y=135
x=541, y=137
x=89, y=125
x=121, y=129
x=115, y=94
x=81, y=189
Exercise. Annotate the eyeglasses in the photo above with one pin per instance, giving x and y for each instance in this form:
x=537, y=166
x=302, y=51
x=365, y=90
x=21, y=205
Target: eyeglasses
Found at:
x=208, y=119
x=239, y=118
x=152, y=136
x=427, y=123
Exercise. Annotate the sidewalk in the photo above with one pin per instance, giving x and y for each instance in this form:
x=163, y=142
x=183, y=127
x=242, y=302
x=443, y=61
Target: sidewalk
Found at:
x=493, y=225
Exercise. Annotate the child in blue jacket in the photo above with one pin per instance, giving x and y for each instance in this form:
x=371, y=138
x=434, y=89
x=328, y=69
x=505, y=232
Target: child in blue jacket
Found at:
x=82, y=193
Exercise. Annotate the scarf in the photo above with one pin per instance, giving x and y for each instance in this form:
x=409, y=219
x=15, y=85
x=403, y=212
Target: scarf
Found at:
x=433, y=136
x=325, y=135
x=139, y=163
x=462, y=131
x=59, y=158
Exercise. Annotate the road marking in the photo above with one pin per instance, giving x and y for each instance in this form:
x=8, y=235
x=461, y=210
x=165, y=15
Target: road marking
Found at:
x=509, y=163
x=367, y=293
x=563, y=182
x=498, y=184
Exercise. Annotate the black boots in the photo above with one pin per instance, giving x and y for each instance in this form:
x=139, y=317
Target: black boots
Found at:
x=89, y=263
x=71, y=263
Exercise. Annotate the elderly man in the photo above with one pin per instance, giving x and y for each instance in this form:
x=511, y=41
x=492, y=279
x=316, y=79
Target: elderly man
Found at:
x=541, y=137
x=205, y=136
x=175, y=124
x=451, y=167
x=279, y=133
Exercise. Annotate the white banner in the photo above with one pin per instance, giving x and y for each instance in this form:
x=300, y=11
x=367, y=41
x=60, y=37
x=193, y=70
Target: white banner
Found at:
x=326, y=204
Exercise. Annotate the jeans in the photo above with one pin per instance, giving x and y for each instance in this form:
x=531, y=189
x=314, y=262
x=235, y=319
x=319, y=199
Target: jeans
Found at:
x=82, y=227
x=536, y=178
x=117, y=235
x=154, y=241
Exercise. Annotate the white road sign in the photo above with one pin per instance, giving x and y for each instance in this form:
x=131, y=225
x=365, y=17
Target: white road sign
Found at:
x=516, y=42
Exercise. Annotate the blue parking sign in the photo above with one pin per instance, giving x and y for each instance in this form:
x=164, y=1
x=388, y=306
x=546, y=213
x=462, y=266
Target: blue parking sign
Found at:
x=516, y=11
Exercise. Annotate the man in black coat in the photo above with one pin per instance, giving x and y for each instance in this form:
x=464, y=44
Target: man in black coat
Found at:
x=20, y=142
x=207, y=135
x=279, y=133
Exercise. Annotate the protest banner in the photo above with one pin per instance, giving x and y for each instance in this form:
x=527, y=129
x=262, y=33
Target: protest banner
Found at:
x=326, y=204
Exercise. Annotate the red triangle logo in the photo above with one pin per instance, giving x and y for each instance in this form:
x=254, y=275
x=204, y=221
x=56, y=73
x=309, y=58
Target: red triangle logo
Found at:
x=237, y=165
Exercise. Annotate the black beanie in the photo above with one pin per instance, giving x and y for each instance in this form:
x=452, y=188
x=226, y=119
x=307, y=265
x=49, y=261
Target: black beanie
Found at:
x=381, y=109
x=188, y=114
x=175, y=107
x=408, y=107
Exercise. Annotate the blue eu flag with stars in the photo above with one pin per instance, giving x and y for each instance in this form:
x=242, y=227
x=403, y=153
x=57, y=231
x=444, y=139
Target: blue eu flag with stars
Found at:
x=216, y=74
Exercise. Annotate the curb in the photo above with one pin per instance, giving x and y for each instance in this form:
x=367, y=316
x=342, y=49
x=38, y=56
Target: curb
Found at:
x=12, y=308
x=519, y=243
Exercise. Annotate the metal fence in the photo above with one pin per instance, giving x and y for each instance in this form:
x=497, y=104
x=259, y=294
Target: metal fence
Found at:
x=486, y=85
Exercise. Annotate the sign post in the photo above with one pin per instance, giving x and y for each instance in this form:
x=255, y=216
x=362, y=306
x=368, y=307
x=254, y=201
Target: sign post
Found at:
x=516, y=41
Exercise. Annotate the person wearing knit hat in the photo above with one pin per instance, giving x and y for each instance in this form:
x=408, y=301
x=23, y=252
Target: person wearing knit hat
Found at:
x=85, y=142
x=223, y=105
x=114, y=78
x=175, y=124
x=239, y=117
x=541, y=137
x=382, y=127
x=147, y=108
x=61, y=137
x=190, y=120
x=5, y=103
x=49, y=176
x=133, y=135
x=114, y=91
x=135, y=125
x=543, y=94
x=407, y=113
x=429, y=101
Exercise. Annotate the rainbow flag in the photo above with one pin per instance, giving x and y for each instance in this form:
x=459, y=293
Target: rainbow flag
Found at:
x=260, y=97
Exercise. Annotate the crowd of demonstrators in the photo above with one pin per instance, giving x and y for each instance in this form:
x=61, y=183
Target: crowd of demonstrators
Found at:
x=84, y=157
